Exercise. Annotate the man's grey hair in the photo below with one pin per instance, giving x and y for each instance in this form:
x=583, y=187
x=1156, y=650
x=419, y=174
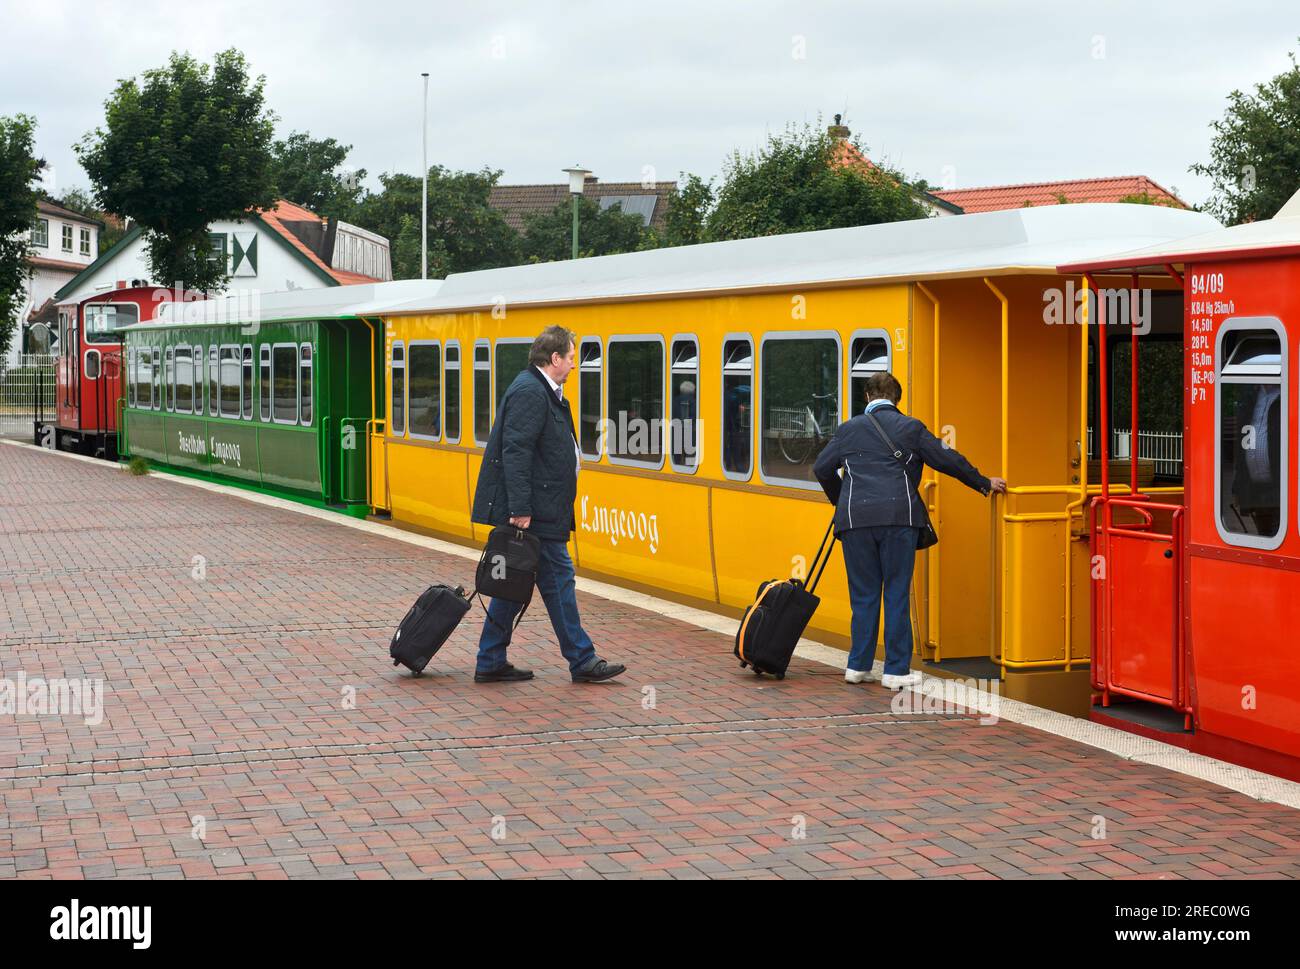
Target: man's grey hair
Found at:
x=553, y=339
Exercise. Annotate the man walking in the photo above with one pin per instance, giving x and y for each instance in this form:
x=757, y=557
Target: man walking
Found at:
x=529, y=478
x=881, y=520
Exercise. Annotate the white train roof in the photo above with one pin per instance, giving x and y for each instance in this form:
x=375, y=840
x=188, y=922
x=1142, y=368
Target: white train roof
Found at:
x=1026, y=240
x=1280, y=232
x=332, y=302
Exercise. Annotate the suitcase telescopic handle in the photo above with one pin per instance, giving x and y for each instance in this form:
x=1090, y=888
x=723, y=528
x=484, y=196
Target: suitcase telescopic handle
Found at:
x=815, y=571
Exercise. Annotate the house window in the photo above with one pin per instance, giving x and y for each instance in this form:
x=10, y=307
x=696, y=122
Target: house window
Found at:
x=304, y=383
x=635, y=406
x=868, y=354
x=67, y=238
x=397, y=393
x=589, y=397
x=217, y=248
x=737, y=407
x=451, y=388
x=284, y=383
x=482, y=392
x=424, y=390
x=683, y=384
x=41, y=233
x=800, y=405
x=1251, y=390
x=85, y=242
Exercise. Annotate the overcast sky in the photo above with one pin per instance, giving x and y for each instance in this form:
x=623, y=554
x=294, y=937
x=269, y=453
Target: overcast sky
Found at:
x=963, y=94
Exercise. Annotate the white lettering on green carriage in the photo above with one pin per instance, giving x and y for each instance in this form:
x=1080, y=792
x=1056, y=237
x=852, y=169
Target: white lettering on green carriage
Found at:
x=191, y=443
x=226, y=453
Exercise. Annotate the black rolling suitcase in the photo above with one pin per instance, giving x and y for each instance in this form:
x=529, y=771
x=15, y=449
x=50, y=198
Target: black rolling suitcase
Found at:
x=427, y=625
x=771, y=627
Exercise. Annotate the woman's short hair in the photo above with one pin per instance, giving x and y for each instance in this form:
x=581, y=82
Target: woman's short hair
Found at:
x=884, y=384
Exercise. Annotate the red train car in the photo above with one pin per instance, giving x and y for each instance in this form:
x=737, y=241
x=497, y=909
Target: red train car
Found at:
x=1196, y=602
x=88, y=378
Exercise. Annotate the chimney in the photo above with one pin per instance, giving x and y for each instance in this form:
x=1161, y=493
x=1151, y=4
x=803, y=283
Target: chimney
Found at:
x=838, y=131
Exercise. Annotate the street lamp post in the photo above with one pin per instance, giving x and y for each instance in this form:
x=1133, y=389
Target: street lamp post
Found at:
x=424, y=196
x=577, y=180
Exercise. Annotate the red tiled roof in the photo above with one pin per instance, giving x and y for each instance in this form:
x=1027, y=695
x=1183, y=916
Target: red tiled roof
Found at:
x=516, y=202
x=292, y=212
x=997, y=197
x=51, y=208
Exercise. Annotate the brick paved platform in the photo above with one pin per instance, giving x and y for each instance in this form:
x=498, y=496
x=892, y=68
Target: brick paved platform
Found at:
x=226, y=698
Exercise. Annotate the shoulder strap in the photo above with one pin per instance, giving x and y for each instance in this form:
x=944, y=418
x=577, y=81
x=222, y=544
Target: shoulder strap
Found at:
x=889, y=442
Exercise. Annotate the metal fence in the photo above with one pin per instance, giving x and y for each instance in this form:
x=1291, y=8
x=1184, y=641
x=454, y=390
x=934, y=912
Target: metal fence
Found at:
x=25, y=391
x=1163, y=448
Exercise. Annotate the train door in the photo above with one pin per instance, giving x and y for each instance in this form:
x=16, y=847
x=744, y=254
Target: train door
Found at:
x=1138, y=534
x=67, y=369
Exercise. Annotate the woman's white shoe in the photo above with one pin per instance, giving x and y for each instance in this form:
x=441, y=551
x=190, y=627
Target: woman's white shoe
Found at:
x=898, y=682
x=858, y=676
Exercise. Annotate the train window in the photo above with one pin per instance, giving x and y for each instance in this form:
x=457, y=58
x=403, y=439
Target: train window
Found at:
x=800, y=404
x=397, y=402
x=482, y=392
x=451, y=387
x=169, y=376
x=1251, y=393
x=868, y=354
x=737, y=407
x=199, y=359
x=589, y=396
x=103, y=320
x=246, y=398
x=214, y=378
x=284, y=383
x=264, y=361
x=684, y=424
x=184, y=380
x=229, y=381
x=304, y=383
x=634, y=407
x=422, y=389
x=133, y=382
x=512, y=358
x=155, y=377
x=93, y=365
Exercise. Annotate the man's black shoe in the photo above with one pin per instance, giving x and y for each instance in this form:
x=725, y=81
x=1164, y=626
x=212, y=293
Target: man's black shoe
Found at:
x=504, y=674
x=598, y=672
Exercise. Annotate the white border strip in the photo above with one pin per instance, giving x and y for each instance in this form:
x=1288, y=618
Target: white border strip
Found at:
x=1255, y=784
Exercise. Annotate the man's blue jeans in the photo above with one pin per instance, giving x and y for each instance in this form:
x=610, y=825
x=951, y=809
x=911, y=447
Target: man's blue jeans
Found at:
x=556, y=586
x=880, y=558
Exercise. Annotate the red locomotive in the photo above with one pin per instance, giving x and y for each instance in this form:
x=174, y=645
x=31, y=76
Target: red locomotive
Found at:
x=88, y=377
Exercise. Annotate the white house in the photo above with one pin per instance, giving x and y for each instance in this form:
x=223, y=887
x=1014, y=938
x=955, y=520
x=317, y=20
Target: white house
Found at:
x=63, y=244
x=286, y=248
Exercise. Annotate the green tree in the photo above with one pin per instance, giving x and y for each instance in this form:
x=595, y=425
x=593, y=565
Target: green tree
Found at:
x=1254, y=161
x=20, y=172
x=799, y=181
x=465, y=233
x=548, y=236
x=187, y=146
x=307, y=171
x=686, y=220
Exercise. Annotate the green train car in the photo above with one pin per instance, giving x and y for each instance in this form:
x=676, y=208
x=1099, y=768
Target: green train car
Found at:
x=273, y=392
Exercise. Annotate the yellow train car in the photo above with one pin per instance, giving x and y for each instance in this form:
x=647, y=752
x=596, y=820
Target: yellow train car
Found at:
x=710, y=376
